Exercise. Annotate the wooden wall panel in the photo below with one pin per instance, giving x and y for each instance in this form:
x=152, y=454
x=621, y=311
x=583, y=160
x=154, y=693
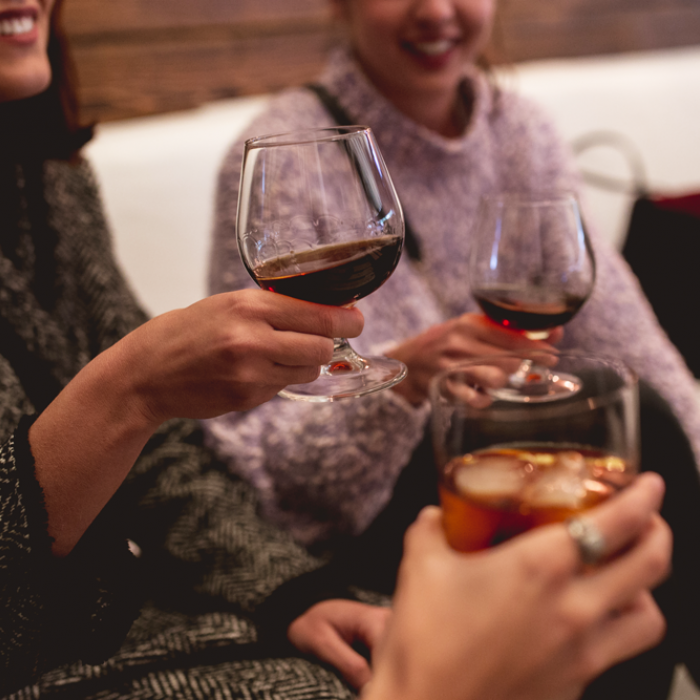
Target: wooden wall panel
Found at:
x=119, y=81
x=532, y=29
x=106, y=16
x=137, y=57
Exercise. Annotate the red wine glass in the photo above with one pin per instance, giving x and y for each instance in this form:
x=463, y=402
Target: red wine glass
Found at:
x=531, y=270
x=319, y=220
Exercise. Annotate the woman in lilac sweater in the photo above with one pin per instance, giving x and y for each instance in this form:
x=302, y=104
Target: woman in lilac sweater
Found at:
x=352, y=475
x=448, y=136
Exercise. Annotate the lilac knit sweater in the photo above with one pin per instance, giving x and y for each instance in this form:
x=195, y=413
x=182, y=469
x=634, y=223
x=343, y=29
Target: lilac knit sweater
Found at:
x=325, y=469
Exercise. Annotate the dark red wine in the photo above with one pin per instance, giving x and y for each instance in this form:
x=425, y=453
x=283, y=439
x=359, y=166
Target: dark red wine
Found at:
x=335, y=274
x=528, y=309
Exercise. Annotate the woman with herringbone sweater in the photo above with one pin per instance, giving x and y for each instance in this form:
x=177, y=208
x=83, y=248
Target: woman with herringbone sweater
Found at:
x=95, y=450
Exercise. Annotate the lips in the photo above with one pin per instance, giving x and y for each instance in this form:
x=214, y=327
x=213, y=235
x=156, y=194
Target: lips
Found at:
x=432, y=54
x=432, y=48
x=18, y=23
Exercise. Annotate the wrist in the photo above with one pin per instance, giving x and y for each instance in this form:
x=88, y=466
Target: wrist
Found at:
x=127, y=368
x=84, y=444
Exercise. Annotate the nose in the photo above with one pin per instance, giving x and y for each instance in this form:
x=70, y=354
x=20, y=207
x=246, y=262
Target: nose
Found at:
x=434, y=11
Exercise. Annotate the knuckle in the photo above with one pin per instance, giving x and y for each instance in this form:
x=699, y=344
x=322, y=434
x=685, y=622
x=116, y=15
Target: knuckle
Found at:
x=546, y=566
x=241, y=302
x=355, y=667
x=324, y=352
x=236, y=348
x=591, y=663
x=306, y=374
x=444, y=363
x=329, y=322
x=657, y=626
x=658, y=565
x=578, y=619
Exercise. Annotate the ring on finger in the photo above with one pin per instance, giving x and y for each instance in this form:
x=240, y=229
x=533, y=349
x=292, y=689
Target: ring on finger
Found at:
x=588, y=539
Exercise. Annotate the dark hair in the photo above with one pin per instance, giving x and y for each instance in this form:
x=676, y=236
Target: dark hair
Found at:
x=33, y=131
x=47, y=126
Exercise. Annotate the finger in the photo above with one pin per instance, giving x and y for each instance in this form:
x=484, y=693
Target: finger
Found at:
x=637, y=628
x=266, y=372
x=280, y=376
x=644, y=566
x=289, y=314
x=624, y=517
x=556, y=336
x=426, y=533
x=292, y=349
x=621, y=520
x=509, y=340
x=334, y=650
x=372, y=626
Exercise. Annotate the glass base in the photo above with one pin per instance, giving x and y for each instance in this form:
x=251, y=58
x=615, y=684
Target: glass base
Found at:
x=348, y=376
x=534, y=384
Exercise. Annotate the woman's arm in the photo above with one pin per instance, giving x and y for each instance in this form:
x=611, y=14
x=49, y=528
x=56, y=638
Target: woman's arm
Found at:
x=227, y=352
x=69, y=590
x=54, y=610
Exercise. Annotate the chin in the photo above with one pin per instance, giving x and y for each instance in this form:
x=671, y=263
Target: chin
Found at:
x=13, y=88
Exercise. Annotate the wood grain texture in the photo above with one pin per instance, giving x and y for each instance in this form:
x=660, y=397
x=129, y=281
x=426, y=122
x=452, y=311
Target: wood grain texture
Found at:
x=137, y=57
x=533, y=29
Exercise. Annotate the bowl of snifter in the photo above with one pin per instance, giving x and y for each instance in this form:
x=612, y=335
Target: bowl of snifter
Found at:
x=505, y=467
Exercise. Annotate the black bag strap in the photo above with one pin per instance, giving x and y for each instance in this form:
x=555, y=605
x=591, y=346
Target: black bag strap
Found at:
x=342, y=118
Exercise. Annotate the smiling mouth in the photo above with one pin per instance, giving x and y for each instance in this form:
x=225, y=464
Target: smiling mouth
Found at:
x=17, y=26
x=431, y=48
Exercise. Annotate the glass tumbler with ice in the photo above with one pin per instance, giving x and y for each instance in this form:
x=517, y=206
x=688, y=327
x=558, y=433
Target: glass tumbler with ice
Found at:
x=505, y=467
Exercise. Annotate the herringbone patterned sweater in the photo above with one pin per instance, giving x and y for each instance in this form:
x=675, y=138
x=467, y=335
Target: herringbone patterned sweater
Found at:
x=207, y=560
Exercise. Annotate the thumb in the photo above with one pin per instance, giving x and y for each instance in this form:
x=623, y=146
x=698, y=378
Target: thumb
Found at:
x=426, y=532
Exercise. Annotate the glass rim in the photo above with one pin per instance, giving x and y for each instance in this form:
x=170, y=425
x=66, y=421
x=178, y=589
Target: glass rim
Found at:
x=514, y=412
x=305, y=136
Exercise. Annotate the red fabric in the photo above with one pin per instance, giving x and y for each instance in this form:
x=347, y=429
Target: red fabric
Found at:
x=686, y=204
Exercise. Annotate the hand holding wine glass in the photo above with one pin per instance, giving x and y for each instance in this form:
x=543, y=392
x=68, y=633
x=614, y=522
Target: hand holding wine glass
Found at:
x=319, y=220
x=531, y=270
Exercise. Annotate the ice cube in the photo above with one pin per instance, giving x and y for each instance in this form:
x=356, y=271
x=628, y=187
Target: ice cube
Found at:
x=491, y=477
x=571, y=461
x=562, y=487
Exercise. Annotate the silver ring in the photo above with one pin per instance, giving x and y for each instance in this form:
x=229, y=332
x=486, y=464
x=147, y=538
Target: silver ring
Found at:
x=588, y=538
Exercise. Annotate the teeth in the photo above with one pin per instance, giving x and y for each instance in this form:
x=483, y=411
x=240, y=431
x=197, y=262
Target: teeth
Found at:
x=434, y=48
x=15, y=26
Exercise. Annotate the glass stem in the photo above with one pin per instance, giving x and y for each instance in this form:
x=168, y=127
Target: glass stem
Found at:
x=531, y=377
x=345, y=359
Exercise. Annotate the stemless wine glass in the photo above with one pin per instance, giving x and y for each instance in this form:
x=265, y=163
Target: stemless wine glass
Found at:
x=531, y=269
x=319, y=220
x=506, y=467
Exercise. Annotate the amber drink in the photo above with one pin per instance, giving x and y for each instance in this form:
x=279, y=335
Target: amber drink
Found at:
x=506, y=468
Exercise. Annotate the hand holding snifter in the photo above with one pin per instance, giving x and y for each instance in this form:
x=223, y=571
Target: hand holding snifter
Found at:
x=319, y=220
x=531, y=270
x=505, y=467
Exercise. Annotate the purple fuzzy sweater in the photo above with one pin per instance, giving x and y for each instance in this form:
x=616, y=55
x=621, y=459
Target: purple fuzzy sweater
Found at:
x=326, y=469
